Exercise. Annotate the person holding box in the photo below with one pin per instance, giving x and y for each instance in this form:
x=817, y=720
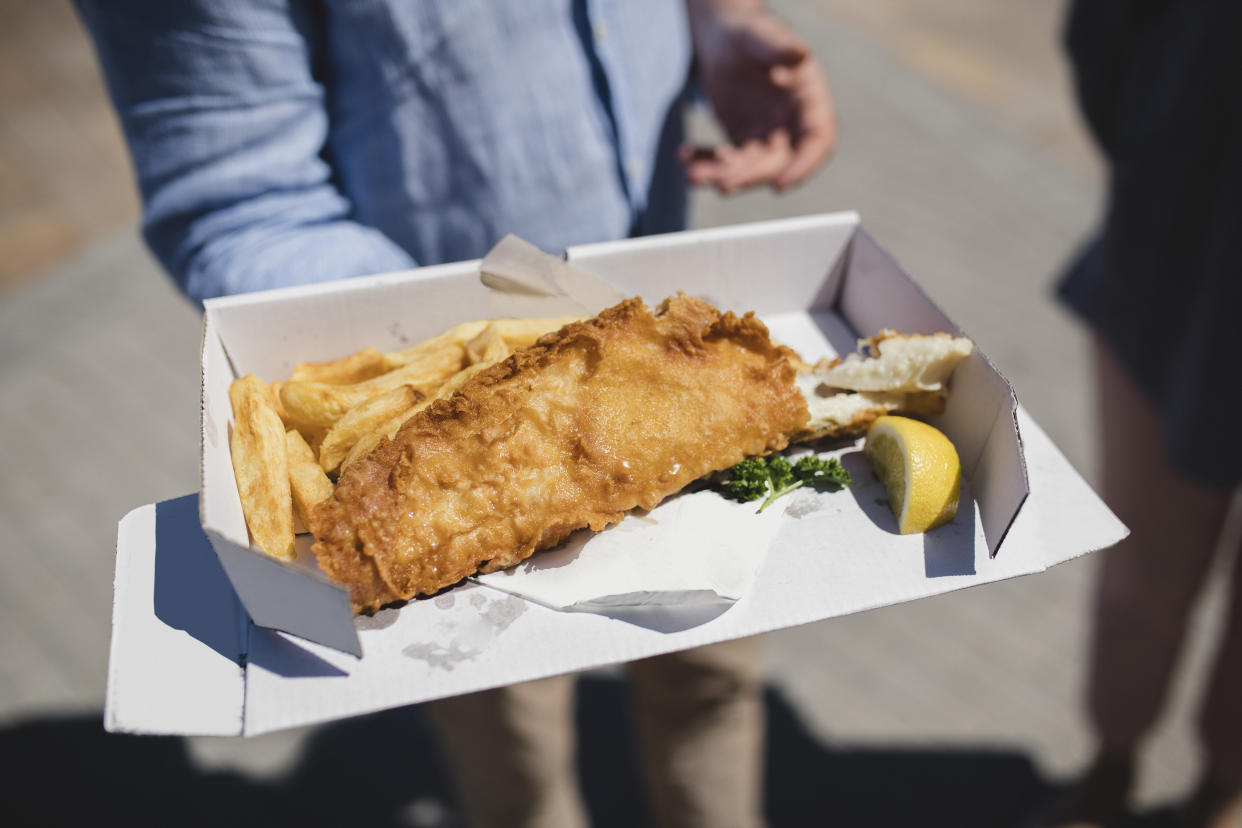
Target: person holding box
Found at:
x=284, y=142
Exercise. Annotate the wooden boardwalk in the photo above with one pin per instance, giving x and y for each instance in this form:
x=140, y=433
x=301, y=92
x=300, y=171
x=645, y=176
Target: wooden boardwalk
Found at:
x=65, y=180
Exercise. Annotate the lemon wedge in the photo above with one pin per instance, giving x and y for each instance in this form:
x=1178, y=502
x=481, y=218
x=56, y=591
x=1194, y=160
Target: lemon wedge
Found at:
x=919, y=467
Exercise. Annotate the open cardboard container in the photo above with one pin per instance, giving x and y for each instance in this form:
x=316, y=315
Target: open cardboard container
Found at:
x=211, y=637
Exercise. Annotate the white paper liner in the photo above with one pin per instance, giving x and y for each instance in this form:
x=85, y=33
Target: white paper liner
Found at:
x=683, y=563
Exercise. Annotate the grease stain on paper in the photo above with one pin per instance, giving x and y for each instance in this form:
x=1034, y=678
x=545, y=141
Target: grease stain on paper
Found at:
x=439, y=656
x=467, y=635
x=804, y=506
x=397, y=333
x=500, y=614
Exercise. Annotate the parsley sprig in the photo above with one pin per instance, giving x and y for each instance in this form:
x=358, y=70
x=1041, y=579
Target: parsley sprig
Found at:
x=774, y=476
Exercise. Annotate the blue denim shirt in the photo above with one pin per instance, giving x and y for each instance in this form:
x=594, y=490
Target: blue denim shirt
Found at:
x=281, y=142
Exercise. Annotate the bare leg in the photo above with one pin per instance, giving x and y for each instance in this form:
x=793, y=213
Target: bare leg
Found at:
x=700, y=721
x=1221, y=723
x=512, y=754
x=1149, y=582
x=1217, y=800
x=1147, y=585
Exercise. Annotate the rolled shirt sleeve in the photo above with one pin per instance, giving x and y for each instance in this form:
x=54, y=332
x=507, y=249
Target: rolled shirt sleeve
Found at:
x=227, y=127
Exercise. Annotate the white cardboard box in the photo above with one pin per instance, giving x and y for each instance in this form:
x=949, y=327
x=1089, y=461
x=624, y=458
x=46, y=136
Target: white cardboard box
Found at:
x=194, y=651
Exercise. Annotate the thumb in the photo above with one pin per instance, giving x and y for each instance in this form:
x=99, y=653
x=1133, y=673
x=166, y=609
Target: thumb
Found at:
x=768, y=41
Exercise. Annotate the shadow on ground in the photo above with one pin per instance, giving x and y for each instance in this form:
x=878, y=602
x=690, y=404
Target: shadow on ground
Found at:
x=383, y=770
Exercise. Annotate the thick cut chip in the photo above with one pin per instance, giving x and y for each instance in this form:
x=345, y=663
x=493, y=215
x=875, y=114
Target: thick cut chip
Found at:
x=515, y=333
x=320, y=405
x=502, y=337
x=308, y=483
x=488, y=346
x=453, y=340
x=364, y=419
x=274, y=398
x=522, y=333
x=261, y=467
x=357, y=367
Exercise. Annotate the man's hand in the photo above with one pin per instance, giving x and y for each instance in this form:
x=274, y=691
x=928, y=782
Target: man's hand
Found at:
x=767, y=91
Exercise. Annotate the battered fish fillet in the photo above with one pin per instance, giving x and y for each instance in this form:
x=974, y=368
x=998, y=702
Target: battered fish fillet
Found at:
x=606, y=415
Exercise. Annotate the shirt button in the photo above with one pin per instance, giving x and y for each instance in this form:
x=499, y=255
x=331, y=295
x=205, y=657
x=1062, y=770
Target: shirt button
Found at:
x=600, y=30
x=634, y=168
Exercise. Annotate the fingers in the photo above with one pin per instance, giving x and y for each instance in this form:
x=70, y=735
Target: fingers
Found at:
x=784, y=77
x=731, y=169
x=757, y=162
x=817, y=129
x=785, y=145
x=770, y=42
x=702, y=164
x=773, y=102
x=811, y=151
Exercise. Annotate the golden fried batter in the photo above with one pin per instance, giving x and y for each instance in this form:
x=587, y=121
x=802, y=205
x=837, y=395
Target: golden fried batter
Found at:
x=604, y=416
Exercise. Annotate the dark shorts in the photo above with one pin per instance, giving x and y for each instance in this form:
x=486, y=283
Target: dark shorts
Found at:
x=1160, y=84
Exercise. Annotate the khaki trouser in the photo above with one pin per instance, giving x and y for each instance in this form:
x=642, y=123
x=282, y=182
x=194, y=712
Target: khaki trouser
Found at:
x=700, y=722
x=1149, y=582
